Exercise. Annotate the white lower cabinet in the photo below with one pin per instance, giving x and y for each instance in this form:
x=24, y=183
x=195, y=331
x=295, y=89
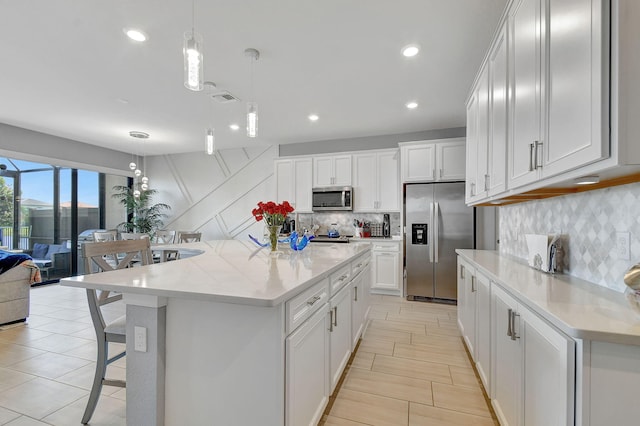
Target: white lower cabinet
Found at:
x=359, y=301
x=483, y=329
x=307, y=355
x=339, y=334
x=467, y=305
x=533, y=366
x=385, y=258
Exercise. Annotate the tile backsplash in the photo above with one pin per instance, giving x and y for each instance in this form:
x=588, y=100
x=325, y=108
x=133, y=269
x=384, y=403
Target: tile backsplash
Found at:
x=344, y=221
x=588, y=222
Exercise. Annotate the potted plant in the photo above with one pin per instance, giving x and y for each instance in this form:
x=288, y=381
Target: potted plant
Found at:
x=144, y=217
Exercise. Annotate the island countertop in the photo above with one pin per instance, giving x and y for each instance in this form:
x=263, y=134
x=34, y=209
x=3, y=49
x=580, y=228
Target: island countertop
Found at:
x=230, y=271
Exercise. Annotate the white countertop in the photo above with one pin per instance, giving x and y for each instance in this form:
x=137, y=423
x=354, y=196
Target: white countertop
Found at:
x=580, y=309
x=230, y=271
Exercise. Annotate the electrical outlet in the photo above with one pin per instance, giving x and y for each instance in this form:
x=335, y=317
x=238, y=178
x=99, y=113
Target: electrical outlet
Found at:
x=140, y=339
x=622, y=245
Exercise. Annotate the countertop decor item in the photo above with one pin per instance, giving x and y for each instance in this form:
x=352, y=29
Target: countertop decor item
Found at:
x=632, y=277
x=274, y=216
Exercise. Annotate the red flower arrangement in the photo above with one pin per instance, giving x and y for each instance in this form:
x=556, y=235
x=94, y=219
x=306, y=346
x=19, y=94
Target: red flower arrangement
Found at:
x=272, y=213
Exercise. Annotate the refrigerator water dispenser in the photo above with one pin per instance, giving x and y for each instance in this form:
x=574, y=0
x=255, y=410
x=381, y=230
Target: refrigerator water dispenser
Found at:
x=419, y=233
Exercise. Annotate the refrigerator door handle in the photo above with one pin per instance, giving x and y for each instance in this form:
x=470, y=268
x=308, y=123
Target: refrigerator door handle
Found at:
x=436, y=233
x=431, y=207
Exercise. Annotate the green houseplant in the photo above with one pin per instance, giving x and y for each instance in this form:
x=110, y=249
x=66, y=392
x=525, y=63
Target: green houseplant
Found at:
x=144, y=217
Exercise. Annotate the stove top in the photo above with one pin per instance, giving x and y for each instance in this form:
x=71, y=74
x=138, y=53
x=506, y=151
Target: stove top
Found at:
x=327, y=239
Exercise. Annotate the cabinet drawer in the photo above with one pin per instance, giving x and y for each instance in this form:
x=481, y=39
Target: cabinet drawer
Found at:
x=385, y=247
x=305, y=304
x=359, y=264
x=339, y=278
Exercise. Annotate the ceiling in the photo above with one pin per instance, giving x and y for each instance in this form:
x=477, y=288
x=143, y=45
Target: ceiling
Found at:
x=69, y=70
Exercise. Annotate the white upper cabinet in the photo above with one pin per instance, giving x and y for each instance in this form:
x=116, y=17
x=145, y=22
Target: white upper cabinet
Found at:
x=433, y=160
x=376, y=182
x=332, y=170
x=498, y=90
x=472, y=147
x=293, y=182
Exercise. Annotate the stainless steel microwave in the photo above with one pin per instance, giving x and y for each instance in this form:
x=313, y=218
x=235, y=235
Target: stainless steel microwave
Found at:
x=332, y=198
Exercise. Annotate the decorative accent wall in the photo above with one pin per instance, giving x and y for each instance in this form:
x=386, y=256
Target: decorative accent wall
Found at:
x=588, y=222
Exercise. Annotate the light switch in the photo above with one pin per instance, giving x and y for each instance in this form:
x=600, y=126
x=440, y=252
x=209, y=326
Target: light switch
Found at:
x=140, y=339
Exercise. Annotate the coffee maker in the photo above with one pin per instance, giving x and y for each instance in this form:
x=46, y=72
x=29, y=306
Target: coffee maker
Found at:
x=386, y=226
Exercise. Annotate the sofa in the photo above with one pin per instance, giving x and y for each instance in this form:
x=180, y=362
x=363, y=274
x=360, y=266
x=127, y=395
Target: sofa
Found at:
x=52, y=259
x=15, y=284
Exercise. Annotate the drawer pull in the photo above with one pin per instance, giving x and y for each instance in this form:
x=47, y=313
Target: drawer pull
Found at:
x=335, y=316
x=509, y=329
x=314, y=300
x=342, y=278
x=356, y=295
x=358, y=265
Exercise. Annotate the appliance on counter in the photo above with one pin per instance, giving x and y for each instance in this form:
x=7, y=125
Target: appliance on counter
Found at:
x=437, y=222
x=386, y=226
x=288, y=226
x=332, y=198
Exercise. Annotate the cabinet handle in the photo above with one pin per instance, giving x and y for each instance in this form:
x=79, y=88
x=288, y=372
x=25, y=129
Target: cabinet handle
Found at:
x=538, y=144
x=358, y=265
x=473, y=283
x=331, y=320
x=462, y=271
x=314, y=300
x=531, y=166
x=509, y=329
x=342, y=278
x=472, y=188
x=486, y=182
x=433, y=174
x=514, y=336
x=335, y=316
x=441, y=173
x=356, y=296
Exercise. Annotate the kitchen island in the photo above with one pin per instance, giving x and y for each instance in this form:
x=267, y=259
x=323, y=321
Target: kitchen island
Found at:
x=217, y=325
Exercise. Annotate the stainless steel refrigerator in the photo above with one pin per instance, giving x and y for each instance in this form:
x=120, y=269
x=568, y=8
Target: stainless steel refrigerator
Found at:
x=437, y=222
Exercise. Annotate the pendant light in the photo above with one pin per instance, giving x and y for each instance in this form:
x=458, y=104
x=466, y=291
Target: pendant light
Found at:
x=210, y=141
x=252, y=106
x=144, y=185
x=193, y=58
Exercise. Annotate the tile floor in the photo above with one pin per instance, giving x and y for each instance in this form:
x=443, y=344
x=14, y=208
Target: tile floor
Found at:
x=47, y=364
x=411, y=369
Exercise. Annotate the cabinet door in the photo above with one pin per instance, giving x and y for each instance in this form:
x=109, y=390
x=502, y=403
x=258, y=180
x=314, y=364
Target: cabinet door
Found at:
x=302, y=172
x=482, y=138
x=472, y=148
x=387, y=181
x=340, y=334
x=506, y=360
x=342, y=170
x=574, y=87
x=307, y=371
x=526, y=78
x=450, y=160
x=418, y=163
x=385, y=270
x=483, y=329
x=364, y=182
x=549, y=373
x=497, y=158
x=284, y=180
x=358, y=308
x=467, y=305
x=322, y=171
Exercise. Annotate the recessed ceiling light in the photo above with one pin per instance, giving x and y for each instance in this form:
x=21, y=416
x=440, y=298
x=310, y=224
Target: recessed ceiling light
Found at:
x=587, y=180
x=135, y=35
x=313, y=117
x=234, y=127
x=410, y=50
x=411, y=105
x=138, y=135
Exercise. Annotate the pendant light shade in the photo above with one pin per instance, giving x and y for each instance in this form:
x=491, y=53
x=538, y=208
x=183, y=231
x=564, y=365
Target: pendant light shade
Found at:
x=193, y=61
x=252, y=119
x=210, y=141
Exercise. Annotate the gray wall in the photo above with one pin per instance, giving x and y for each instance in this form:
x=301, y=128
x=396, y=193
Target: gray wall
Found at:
x=24, y=144
x=369, y=142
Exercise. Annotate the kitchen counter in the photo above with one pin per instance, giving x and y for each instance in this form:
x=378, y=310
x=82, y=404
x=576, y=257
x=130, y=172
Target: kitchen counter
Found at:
x=580, y=309
x=215, y=327
x=229, y=271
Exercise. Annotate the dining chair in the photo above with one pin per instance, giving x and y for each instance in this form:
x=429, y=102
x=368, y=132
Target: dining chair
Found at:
x=95, y=256
x=189, y=237
x=133, y=235
x=161, y=237
x=105, y=236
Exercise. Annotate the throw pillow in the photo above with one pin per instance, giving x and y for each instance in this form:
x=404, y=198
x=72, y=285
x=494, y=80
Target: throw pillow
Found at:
x=39, y=250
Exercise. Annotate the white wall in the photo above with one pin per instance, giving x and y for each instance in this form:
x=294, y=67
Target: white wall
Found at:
x=589, y=222
x=214, y=194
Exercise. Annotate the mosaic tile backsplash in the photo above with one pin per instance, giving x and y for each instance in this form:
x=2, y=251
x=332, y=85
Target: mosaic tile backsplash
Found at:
x=588, y=222
x=344, y=221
